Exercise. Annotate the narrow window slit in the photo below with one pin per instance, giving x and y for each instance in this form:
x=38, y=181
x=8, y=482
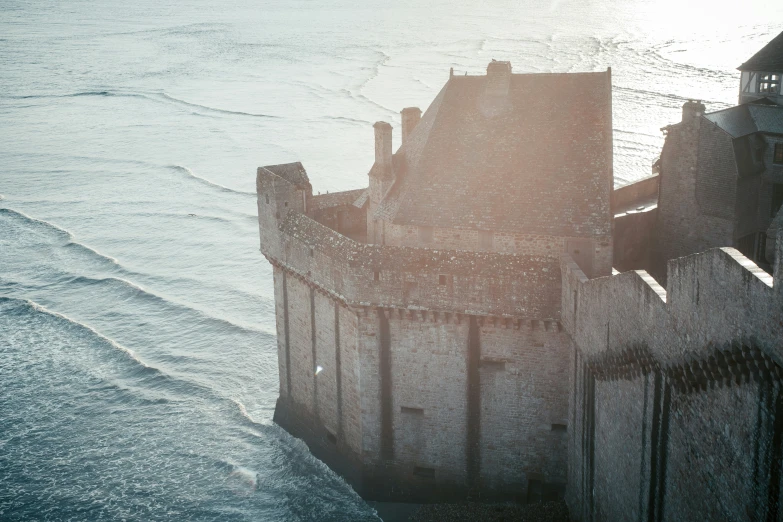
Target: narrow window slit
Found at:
x=423, y=472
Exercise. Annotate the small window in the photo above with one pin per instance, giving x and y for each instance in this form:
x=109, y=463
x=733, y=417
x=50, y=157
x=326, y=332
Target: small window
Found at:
x=493, y=364
x=423, y=472
x=425, y=234
x=559, y=427
x=286, y=203
x=414, y=411
x=443, y=280
x=778, y=153
x=267, y=198
x=376, y=276
x=312, y=252
x=769, y=83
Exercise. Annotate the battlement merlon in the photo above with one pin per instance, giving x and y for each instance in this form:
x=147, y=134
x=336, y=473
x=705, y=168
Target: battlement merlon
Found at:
x=512, y=286
x=712, y=298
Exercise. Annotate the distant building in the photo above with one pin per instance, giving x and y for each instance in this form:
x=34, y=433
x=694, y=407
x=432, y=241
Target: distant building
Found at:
x=761, y=75
x=719, y=179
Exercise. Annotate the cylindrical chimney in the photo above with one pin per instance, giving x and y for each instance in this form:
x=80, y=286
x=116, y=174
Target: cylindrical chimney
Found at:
x=410, y=118
x=383, y=143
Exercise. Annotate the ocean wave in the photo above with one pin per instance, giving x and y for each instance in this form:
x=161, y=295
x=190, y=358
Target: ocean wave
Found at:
x=345, y=118
x=114, y=264
x=211, y=109
x=78, y=94
x=28, y=305
x=205, y=181
x=150, y=377
x=81, y=246
x=166, y=301
x=40, y=222
x=156, y=96
x=68, y=236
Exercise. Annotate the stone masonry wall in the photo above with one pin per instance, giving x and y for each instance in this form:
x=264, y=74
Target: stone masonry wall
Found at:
x=524, y=410
x=694, y=152
x=490, y=241
x=423, y=373
x=429, y=373
x=300, y=346
x=350, y=383
x=428, y=450
x=510, y=285
x=676, y=396
x=634, y=240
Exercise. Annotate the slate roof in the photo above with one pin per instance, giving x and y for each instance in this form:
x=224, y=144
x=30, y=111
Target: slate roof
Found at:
x=535, y=161
x=749, y=118
x=769, y=58
x=292, y=172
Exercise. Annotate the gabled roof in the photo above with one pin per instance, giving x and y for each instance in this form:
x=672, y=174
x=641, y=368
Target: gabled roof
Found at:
x=769, y=58
x=749, y=118
x=537, y=160
x=292, y=172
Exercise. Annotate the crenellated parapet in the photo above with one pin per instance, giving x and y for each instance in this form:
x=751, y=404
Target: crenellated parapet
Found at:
x=443, y=281
x=687, y=381
x=714, y=297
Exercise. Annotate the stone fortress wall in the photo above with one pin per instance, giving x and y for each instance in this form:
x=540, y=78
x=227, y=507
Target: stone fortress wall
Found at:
x=443, y=363
x=443, y=372
x=676, y=404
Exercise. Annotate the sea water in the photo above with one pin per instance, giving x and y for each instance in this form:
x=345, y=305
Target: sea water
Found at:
x=138, y=364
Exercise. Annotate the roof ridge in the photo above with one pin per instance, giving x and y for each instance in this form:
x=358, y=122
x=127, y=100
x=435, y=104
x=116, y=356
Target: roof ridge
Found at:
x=768, y=58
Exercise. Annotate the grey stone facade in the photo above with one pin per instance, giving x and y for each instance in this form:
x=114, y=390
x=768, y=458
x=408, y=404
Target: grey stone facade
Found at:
x=423, y=356
x=676, y=395
x=452, y=330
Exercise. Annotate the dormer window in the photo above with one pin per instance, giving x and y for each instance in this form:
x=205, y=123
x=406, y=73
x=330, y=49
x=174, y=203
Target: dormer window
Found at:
x=778, y=158
x=769, y=83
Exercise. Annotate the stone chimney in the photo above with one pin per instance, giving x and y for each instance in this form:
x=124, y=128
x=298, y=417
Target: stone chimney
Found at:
x=383, y=144
x=692, y=110
x=410, y=118
x=498, y=78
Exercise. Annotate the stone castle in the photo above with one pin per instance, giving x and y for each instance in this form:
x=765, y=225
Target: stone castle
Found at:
x=461, y=328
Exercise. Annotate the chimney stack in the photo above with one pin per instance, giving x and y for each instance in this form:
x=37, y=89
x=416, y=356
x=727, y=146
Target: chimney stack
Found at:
x=383, y=144
x=691, y=110
x=498, y=78
x=410, y=118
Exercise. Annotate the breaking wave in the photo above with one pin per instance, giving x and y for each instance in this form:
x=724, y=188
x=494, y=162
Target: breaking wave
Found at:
x=29, y=306
x=156, y=96
x=65, y=234
x=190, y=173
